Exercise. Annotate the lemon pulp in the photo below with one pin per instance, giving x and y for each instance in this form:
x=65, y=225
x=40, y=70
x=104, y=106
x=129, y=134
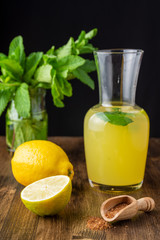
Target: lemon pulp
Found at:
x=47, y=196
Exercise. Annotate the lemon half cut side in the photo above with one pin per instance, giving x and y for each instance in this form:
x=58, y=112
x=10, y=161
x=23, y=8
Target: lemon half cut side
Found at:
x=47, y=196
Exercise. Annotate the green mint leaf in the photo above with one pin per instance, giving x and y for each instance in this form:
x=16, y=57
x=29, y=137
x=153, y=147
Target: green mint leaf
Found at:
x=116, y=118
x=66, y=87
x=8, y=86
x=65, y=50
x=58, y=102
x=91, y=34
x=4, y=99
x=2, y=79
x=4, y=87
x=32, y=62
x=81, y=37
x=43, y=74
x=22, y=101
x=82, y=42
x=4, y=72
x=56, y=94
x=2, y=56
x=16, y=50
x=84, y=77
x=63, y=74
x=89, y=66
x=43, y=85
x=12, y=68
x=51, y=51
x=88, y=48
x=53, y=82
x=48, y=58
x=6, y=93
x=69, y=63
x=80, y=45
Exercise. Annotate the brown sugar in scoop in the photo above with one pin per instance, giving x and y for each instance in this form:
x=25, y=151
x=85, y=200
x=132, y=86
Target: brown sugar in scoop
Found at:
x=125, y=207
x=114, y=210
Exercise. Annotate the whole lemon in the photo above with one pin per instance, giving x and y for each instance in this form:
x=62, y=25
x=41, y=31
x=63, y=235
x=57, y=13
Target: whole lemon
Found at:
x=39, y=159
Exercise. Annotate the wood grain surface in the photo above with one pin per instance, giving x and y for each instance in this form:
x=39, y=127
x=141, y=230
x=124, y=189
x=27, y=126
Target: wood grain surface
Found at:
x=18, y=223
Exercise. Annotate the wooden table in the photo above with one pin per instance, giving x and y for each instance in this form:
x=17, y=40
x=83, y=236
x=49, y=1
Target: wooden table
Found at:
x=17, y=222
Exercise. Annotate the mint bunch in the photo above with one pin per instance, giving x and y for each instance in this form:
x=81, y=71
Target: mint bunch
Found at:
x=51, y=70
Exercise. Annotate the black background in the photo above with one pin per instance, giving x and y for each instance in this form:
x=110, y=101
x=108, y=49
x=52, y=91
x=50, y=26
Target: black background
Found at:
x=121, y=24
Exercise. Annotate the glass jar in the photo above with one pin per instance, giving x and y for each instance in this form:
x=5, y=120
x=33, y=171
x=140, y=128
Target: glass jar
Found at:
x=35, y=127
x=116, y=131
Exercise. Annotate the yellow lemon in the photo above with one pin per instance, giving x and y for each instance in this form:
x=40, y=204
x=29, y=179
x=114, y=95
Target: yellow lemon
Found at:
x=39, y=159
x=47, y=196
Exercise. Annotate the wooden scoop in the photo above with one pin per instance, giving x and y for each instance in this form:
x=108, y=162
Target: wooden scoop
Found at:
x=125, y=207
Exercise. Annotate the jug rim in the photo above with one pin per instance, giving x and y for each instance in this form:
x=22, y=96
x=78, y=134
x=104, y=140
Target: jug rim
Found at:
x=119, y=51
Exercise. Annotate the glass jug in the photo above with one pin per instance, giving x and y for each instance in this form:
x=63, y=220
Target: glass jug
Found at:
x=116, y=131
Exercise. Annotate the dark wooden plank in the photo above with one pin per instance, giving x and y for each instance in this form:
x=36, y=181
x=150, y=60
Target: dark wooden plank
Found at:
x=17, y=223
x=7, y=183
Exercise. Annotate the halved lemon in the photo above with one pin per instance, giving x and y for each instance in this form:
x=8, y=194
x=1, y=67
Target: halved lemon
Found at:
x=47, y=196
